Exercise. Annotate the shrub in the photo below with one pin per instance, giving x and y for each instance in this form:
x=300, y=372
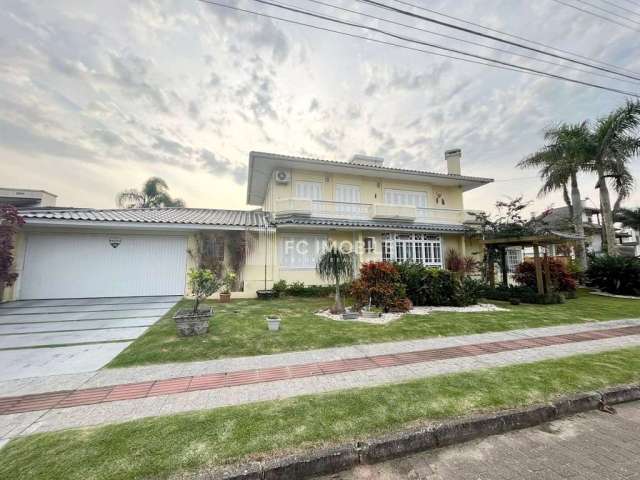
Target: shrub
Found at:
x=299, y=289
x=228, y=281
x=279, y=288
x=438, y=287
x=411, y=276
x=560, y=277
x=617, y=275
x=381, y=283
x=468, y=292
x=522, y=294
x=203, y=283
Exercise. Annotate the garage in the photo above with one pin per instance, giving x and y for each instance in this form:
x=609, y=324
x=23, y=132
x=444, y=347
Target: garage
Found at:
x=83, y=265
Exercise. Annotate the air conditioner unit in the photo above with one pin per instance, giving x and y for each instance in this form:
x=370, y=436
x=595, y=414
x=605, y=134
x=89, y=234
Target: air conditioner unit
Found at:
x=282, y=176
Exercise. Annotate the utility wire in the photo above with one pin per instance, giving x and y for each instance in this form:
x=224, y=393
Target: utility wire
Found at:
x=534, y=42
x=502, y=65
x=492, y=37
x=628, y=10
x=589, y=12
x=478, y=44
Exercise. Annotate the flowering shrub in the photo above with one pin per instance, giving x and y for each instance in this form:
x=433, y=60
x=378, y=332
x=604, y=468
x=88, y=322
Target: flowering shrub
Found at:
x=10, y=221
x=560, y=277
x=380, y=282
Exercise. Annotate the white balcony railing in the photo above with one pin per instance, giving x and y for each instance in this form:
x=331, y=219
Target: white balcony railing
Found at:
x=366, y=211
x=385, y=211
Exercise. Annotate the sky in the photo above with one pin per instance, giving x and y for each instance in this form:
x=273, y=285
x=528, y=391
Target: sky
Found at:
x=95, y=97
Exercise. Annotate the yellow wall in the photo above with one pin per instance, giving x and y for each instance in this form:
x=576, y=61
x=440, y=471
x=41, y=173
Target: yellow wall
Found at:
x=371, y=189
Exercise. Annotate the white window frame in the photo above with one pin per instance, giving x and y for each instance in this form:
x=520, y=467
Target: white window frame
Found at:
x=414, y=198
x=308, y=189
x=297, y=256
x=420, y=248
x=347, y=206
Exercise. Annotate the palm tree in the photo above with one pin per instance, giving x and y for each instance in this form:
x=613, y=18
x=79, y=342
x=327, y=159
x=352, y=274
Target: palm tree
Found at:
x=629, y=218
x=154, y=193
x=615, y=140
x=565, y=154
x=336, y=265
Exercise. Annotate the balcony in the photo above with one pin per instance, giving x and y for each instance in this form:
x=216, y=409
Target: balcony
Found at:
x=367, y=211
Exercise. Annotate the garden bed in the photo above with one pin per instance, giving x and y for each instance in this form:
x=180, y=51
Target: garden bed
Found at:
x=386, y=318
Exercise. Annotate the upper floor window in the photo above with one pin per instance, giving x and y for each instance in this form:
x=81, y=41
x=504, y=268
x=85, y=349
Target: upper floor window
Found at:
x=405, y=197
x=309, y=190
x=347, y=198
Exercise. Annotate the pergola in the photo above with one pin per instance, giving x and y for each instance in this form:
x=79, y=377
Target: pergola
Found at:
x=544, y=239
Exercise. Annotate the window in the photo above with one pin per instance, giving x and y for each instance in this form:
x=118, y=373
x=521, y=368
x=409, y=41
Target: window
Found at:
x=413, y=247
x=405, y=197
x=213, y=247
x=369, y=246
x=301, y=251
x=514, y=258
x=310, y=190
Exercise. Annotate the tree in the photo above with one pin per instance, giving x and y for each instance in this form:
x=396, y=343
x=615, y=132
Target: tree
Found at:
x=336, y=265
x=615, y=140
x=154, y=193
x=10, y=222
x=629, y=218
x=203, y=283
x=566, y=153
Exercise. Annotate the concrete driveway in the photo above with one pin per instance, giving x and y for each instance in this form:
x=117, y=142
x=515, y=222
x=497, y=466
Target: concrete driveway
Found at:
x=53, y=337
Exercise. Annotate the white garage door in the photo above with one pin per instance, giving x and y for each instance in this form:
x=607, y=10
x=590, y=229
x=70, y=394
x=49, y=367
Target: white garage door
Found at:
x=86, y=265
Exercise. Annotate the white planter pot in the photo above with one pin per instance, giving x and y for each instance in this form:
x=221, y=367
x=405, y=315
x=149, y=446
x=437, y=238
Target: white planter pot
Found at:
x=273, y=324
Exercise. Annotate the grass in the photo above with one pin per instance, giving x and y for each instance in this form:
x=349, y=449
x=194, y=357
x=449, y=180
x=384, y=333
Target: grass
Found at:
x=239, y=328
x=162, y=446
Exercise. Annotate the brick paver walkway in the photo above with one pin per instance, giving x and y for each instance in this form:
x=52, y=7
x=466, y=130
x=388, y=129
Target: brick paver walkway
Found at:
x=131, y=391
x=591, y=446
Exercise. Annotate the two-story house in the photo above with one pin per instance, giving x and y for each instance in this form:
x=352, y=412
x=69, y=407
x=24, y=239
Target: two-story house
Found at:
x=303, y=204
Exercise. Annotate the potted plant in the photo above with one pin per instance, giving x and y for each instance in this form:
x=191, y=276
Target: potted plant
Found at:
x=273, y=322
x=227, y=284
x=203, y=283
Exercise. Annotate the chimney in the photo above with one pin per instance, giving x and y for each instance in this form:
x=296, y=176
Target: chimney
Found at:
x=453, y=161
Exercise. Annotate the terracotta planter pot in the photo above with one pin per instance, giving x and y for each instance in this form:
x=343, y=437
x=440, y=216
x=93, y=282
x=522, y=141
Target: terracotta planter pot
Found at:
x=190, y=324
x=225, y=297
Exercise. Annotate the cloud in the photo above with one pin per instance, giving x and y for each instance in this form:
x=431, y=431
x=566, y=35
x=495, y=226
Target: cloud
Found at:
x=220, y=165
x=314, y=106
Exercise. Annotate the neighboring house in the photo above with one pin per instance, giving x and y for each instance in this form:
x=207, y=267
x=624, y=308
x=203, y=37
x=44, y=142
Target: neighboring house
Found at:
x=25, y=198
x=559, y=220
x=381, y=212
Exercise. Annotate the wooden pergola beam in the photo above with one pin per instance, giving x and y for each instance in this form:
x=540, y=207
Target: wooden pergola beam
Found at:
x=536, y=258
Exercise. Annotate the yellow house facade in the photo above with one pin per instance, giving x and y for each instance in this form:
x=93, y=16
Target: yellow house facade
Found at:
x=298, y=206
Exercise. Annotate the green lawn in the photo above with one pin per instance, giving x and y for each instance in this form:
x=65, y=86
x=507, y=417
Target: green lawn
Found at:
x=239, y=328
x=161, y=446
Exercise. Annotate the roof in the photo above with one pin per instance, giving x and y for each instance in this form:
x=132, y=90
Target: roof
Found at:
x=172, y=216
x=262, y=165
x=548, y=237
x=373, y=224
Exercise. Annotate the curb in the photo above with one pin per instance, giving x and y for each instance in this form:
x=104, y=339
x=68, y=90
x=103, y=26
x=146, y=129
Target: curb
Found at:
x=379, y=449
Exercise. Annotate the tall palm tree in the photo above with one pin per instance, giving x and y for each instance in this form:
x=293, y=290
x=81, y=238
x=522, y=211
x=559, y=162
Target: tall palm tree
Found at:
x=616, y=138
x=565, y=154
x=629, y=218
x=336, y=265
x=154, y=193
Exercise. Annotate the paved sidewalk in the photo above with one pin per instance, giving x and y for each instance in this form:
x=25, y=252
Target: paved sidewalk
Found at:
x=594, y=446
x=124, y=394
